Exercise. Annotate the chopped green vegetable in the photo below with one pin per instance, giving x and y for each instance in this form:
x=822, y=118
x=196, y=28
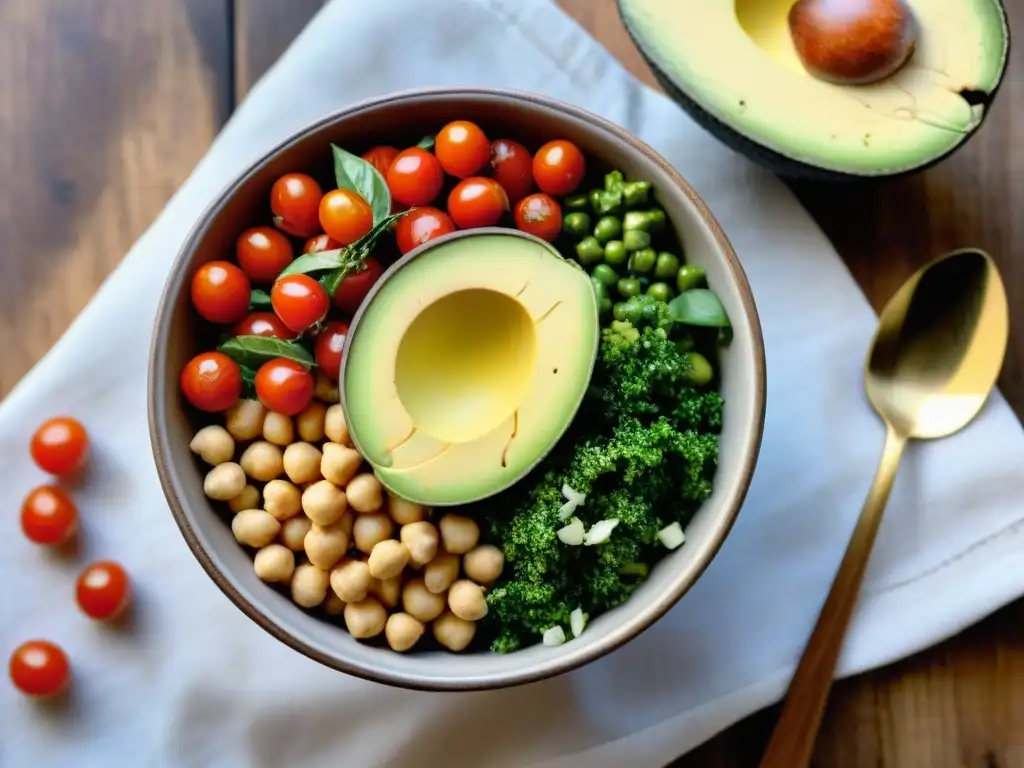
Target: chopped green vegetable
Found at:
x=689, y=276
x=589, y=251
x=576, y=202
x=607, y=228
x=615, y=253
x=643, y=261
x=636, y=240
x=699, y=306
x=576, y=224
x=667, y=266
x=636, y=193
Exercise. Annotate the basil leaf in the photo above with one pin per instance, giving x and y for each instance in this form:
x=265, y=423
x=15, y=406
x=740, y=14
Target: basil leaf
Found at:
x=254, y=351
x=259, y=299
x=357, y=175
x=333, y=279
x=427, y=142
x=316, y=262
x=248, y=382
x=698, y=306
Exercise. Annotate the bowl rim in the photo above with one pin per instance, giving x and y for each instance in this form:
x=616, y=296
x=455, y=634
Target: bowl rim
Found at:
x=656, y=609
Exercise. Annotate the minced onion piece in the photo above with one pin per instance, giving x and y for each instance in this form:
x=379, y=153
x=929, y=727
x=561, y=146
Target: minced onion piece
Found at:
x=672, y=536
x=565, y=511
x=577, y=621
x=577, y=498
x=600, y=532
x=573, y=533
x=554, y=636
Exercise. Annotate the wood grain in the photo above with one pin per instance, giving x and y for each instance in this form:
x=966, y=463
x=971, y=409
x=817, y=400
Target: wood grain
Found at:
x=263, y=29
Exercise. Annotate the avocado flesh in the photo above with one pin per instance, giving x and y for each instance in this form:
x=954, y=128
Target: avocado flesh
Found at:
x=468, y=364
x=737, y=62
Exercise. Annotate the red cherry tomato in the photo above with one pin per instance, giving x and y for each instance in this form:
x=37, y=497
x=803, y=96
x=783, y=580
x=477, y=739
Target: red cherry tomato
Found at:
x=345, y=215
x=39, y=668
x=329, y=346
x=539, y=215
x=221, y=292
x=462, y=148
x=381, y=158
x=262, y=324
x=559, y=167
x=295, y=203
x=477, y=202
x=421, y=225
x=211, y=381
x=415, y=177
x=351, y=292
x=263, y=253
x=284, y=386
x=103, y=590
x=319, y=244
x=512, y=167
x=300, y=301
x=60, y=446
x=48, y=516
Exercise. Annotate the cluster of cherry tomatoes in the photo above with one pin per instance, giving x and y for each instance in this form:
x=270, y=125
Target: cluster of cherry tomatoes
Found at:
x=49, y=517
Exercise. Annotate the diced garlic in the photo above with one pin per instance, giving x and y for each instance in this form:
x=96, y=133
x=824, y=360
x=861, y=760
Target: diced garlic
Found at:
x=600, y=532
x=572, y=534
x=554, y=636
x=672, y=536
x=577, y=621
x=575, y=497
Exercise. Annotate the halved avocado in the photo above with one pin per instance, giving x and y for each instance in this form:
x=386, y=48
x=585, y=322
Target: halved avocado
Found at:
x=734, y=67
x=468, y=363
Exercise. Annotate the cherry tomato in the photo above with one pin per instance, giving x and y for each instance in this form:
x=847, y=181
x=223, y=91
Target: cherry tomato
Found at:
x=354, y=288
x=421, y=225
x=462, y=148
x=477, y=202
x=559, y=167
x=103, y=590
x=295, y=203
x=39, y=668
x=263, y=252
x=539, y=215
x=415, y=177
x=262, y=324
x=345, y=215
x=512, y=168
x=221, y=292
x=211, y=381
x=319, y=244
x=300, y=301
x=60, y=446
x=48, y=516
x=329, y=346
x=284, y=386
x=381, y=158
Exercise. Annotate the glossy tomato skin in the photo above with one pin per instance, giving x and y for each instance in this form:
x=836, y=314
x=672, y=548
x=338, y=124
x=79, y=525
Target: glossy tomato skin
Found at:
x=477, y=202
x=284, y=386
x=211, y=382
x=559, y=167
x=539, y=215
x=320, y=243
x=354, y=288
x=103, y=591
x=415, y=177
x=39, y=669
x=60, y=446
x=462, y=148
x=512, y=167
x=329, y=347
x=262, y=324
x=221, y=292
x=49, y=516
x=381, y=158
x=345, y=215
x=300, y=301
x=421, y=225
x=295, y=203
x=263, y=253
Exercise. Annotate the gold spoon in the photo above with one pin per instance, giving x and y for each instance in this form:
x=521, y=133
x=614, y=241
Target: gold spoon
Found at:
x=934, y=359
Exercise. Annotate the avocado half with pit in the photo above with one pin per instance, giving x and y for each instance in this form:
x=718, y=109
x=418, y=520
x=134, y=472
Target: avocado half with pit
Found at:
x=467, y=363
x=734, y=67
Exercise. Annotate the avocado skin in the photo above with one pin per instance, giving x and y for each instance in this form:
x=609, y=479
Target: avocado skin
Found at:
x=787, y=167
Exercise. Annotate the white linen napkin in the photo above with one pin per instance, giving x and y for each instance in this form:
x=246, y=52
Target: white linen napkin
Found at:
x=194, y=683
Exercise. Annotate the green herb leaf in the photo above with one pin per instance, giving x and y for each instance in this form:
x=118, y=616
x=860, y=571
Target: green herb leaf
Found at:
x=427, y=142
x=317, y=262
x=254, y=351
x=333, y=279
x=248, y=382
x=259, y=299
x=354, y=173
x=348, y=259
x=699, y=306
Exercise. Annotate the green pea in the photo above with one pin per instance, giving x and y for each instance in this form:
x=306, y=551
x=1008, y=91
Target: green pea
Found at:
x=628, y=287
x=634, y=220
x=655, y=220
x=633, y=310
x=615, y=253
x=607, y=228
x=701, y=371
x=605, y=275
x=589, y=251
x=636, y=240
x=667, y=266
x=651, y=313
x=635, y=192
x=688, y=276
x=576, y=223
x=660, y=291
x=619, y=311
x=643, y=298
x=604, y=303
x=576, y=202
x=595, y=198
x=605, y=202
x=642, y=261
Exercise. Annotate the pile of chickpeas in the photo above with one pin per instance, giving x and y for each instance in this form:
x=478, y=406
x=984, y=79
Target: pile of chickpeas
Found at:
x=320, y=523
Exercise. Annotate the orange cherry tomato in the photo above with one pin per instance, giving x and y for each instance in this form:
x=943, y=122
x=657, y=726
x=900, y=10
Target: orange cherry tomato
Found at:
x=284, y=386
x=559, y=167
x=295, y=203
x=40, y=669
x=300, y=301
x=319, y=244
x=221, y=292
x=330, y=344
x=262, y=324
x=381, y=158
x=345, y=215
x=477, y=202
x=60, y=446
x=462, y=148
x=211, y=381
x=512, y=167
x=415, y=177
x=48, y=516
x=421, y=225
x=263, y=253
x=352, y=290
x=103, y=590
x=539, y=215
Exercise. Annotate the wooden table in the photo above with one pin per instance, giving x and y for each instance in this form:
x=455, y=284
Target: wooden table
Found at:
x=106, y=105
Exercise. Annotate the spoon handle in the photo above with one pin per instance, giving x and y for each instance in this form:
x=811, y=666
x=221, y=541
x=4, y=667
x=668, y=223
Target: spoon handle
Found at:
x=792, y=741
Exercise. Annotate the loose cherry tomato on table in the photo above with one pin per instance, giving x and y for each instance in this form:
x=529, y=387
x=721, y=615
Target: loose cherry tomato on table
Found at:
x=559, y=167
x=284, y=386
x=48, y=516
x=60, y=446
x=329, y=346
x=381, y=158
x=477, y=202
x=539, y=215
x=415, y=177
x=262, y=324
x=211, y=381
x=345, y=215
x=39, y=668
x=300, y=301
x=221, y=292
x=462, y=148
x=320, y=243
x=351, y=291
x=263, y=253
x=103, y=590
x=421, y=225
x=295, y=203
x=512, y=167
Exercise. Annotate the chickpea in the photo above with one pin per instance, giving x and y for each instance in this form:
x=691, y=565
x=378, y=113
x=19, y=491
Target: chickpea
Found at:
x=440, y=572
x=388, y=591
x=282, y=499
x=310, y=422
x=333, y=605
x=420, y=603
x=387, y=559
x=214, y=445
x=325, y=544
x=309, y=585
x=262, y=461
x=348, y=521
x=483, y=564
x=254, y=527
x=452, y=632
x=326, y=390
x=335, y=427
x=274, y=562
x=364, y=493
x=369, y=530
x=404, y=512
x=249, y=498
x=422, y=540
x=466, y=600
x=323, y=502
x=402, y=631
x=244, y=419
x=350, y=580
x=278, y=429
x=459, y=534
x=302, y=463
x=365, y=619
x=340, y=463
x=224, y=482
x=293, y=532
